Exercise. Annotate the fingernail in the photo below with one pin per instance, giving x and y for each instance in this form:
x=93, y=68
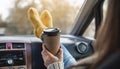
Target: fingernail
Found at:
x=60, y=47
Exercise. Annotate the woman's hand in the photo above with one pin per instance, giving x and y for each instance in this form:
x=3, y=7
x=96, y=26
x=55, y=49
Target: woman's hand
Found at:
x=49, y=58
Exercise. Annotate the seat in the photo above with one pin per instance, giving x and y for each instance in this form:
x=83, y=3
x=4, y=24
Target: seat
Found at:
x=113, y=62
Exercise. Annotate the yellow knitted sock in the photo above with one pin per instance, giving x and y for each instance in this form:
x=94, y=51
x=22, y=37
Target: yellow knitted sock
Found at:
x=40, y=22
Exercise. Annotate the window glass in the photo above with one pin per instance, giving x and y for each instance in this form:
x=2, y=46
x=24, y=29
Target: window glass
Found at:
x=90, y=31
x=14, y=20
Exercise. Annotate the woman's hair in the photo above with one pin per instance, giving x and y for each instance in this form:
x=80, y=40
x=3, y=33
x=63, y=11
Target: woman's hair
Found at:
x=108, y=37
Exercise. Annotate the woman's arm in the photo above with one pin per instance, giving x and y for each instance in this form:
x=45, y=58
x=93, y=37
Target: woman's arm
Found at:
x=56, y=65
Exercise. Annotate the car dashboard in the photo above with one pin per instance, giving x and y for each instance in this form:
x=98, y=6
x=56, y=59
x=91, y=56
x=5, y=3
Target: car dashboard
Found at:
x=24, y=52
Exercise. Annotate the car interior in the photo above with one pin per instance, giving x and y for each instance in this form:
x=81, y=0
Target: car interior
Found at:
x=24, y=51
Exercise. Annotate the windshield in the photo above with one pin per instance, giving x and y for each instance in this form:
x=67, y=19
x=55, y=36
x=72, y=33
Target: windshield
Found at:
x=14, y=19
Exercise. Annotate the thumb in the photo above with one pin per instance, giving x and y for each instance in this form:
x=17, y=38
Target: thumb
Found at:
x=60, y=54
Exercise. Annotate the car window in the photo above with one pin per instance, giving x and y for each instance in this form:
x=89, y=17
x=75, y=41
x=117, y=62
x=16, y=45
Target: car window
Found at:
x=14, y=20
x=90, y=31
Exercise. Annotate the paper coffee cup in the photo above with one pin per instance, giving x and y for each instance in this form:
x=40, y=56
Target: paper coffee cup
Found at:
x=51, y=39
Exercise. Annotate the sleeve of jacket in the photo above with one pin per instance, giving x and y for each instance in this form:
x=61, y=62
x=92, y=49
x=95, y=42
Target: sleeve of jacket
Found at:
x=56, y=65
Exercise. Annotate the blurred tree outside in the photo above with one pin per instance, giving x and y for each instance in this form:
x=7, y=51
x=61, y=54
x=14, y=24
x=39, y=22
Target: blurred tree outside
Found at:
x=18, y=22
x=63, y=14
x=2, y=26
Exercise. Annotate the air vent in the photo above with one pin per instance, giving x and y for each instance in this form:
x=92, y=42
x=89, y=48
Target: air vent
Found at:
x=18, y=45
x=2, y=45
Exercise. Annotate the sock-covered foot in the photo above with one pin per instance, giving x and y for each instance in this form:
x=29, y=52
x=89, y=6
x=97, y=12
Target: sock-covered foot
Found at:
x=40, y=22
x=46, y=18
